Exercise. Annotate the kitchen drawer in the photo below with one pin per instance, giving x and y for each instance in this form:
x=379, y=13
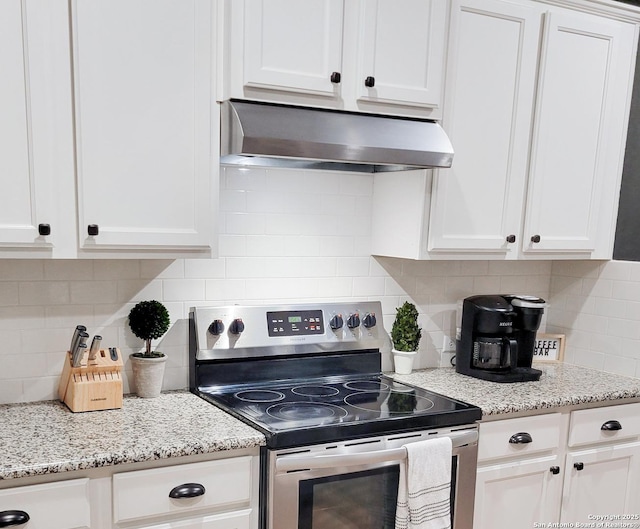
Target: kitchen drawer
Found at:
x=145, y=493
x=586, y=425
x=543, y=432
x=230, y=520
x=61, y=505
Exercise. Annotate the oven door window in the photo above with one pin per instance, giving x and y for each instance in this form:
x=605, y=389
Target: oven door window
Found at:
x=359, y=500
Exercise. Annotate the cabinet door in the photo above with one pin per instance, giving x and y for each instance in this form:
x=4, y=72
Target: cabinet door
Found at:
x=146, y=126
x=232, y=520
x=602, y=481
x=293, y=46
x=477, y=204
x=518, y=494
x=579, y=131
x=36, y=142
x=402, y=51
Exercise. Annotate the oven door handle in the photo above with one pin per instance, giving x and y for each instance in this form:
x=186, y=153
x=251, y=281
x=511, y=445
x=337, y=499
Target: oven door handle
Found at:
x=307, y=462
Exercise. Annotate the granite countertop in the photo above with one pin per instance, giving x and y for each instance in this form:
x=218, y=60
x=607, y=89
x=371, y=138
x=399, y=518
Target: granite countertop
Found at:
x=560, y=385
x=45, y=437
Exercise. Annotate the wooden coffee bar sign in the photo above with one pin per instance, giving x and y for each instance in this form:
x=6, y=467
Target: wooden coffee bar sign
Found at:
x=549, y=347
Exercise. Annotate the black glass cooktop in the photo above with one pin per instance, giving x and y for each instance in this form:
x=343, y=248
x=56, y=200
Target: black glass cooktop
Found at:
x=307, y=411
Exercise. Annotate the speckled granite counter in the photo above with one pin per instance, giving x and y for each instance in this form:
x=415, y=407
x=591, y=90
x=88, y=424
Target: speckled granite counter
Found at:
x=45, y=437
x=560, y=385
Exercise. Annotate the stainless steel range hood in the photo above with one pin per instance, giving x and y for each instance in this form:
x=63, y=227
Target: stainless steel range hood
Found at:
x=263, y=134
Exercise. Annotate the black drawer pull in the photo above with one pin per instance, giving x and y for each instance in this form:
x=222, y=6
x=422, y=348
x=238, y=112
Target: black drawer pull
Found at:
x=93, y=230
x=611, y=426
x=370, y=82
x=336, y=77
x=578, y=466
x=511, y=239
x=187, y=490
x=555, y=470
x=44, y=229
x=520, y=438
x=535, y=238
x=11, y=518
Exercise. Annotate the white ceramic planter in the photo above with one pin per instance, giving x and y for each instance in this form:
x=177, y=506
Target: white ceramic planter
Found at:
x=148, y=374
x=403, y=361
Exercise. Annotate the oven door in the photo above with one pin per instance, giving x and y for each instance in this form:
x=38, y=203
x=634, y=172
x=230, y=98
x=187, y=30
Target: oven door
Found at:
x=354, y=485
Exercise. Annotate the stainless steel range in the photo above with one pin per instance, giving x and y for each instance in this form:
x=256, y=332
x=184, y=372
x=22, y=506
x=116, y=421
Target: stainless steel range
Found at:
x=309, y=378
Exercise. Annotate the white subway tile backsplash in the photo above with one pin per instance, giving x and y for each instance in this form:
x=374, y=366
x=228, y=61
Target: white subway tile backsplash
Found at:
x=296, y=236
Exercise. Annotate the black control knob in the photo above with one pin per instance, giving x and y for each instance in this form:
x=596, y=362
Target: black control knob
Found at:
x=535, y=238
x=353, y=321
x=369, y=320
x=236, y=327
x=370, y=82
x=216, y=328
x=336, y=322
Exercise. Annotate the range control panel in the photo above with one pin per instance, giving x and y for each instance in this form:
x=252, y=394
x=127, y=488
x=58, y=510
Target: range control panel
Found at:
x=238, y=331
x=295, y=322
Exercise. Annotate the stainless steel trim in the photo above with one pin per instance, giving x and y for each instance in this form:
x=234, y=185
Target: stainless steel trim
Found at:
x=287, y=464
x=289, y=136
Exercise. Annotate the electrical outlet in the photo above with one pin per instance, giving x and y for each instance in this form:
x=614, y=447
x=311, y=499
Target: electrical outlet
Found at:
x=448, y=344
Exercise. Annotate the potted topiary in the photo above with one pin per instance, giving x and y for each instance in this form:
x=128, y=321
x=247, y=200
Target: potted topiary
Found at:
x=405, y=335
x=148, y=320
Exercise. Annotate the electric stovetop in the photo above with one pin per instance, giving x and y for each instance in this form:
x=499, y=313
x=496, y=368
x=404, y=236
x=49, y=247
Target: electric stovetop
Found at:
x=308, y=411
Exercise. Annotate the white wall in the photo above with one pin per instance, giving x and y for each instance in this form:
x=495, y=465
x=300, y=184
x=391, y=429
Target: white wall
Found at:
x=597, y=305
x=285, y=236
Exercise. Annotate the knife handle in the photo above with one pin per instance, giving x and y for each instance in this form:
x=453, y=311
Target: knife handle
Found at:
x=76, y=337
x=95, y=346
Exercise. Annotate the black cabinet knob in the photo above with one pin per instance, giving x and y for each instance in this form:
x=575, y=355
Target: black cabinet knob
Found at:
x=187, y=490
x=336, y=77
x=578, y=466
x=555, y=470
x=11, y=518
x=93, y=230
x=237, y=326
x=370, y=82
x=44, y=229
x=521, y=438
x=336, y=322
x=535, y=238
x=216, y=328
x=369, y=320
x=353, y=321
x=611, y=426
x=511, y=238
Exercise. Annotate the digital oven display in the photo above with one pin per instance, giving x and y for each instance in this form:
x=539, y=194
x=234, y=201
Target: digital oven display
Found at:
x=295, y=322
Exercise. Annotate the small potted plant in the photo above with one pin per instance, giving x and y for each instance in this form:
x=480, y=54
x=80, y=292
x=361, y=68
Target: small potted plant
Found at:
x=148, y=320
x=405, y=335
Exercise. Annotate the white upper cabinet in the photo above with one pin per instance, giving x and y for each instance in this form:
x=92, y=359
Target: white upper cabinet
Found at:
x=36, y=149
x=579, y=134
x=362, y=55
x=490, y=89
x=146, y=134
x=108, y=126
x=536, y=106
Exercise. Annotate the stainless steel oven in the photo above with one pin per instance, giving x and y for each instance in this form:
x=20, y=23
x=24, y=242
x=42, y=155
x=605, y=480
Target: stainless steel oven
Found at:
x=354, y=484
x=309, y=377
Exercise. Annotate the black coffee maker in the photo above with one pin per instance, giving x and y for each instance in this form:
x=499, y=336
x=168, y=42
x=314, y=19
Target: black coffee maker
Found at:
x=497, y=337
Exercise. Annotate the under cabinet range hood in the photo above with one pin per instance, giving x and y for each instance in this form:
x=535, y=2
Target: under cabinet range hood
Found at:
x=265, y=134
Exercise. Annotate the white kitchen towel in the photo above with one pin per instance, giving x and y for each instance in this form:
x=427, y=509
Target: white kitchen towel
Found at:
x=425, y=486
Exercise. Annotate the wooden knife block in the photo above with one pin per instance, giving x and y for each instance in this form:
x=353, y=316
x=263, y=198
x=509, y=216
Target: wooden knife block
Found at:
x=94, y=385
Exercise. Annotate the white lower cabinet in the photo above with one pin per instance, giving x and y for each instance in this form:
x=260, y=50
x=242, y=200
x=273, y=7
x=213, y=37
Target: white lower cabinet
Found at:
x=60, y=505
x=210, y=494
x=572, y=467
